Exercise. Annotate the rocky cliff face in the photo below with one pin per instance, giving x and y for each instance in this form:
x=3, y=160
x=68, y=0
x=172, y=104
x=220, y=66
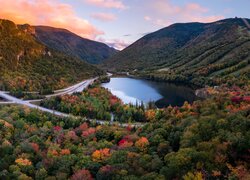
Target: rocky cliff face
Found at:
x=27, y=64
x=27, y=29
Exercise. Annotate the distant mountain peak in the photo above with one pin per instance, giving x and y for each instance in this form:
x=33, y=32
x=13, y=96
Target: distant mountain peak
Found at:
x=65, y=41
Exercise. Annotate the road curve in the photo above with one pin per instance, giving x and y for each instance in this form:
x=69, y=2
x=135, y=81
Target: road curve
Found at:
x=15, y=100
x=76, y=88
x=73, y=89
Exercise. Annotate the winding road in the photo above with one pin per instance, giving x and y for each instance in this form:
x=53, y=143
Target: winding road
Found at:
x=15, y=100
x=70, y=90
x=73, y=89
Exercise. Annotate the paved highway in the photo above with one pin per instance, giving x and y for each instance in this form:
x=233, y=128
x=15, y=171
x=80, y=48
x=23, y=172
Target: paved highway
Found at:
x=21, y=102
x=15, y=100
x=70, y=90
x=73, y=89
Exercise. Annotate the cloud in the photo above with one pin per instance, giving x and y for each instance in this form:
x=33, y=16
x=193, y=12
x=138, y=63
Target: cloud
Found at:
x=166, y=13
x=167, y=7
x=115, y=43
x=162, y=22
x=147, y=18
x=158, y=22
x=116, y=4
x=47, y=12
x=104, y=16
x=206, y=19
x=194, y=7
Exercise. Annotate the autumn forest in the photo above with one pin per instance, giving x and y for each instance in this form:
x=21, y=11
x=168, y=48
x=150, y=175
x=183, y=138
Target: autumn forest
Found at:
x=147, y=98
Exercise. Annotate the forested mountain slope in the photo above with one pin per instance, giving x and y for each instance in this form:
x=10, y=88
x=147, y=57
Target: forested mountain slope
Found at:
x=189, y=51
x=26, y=64
x=63, y=40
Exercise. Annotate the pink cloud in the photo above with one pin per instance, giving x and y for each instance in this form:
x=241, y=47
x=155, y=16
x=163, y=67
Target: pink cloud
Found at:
x=47, y=12
x=195, y=7
x=165, y=13
x=167, y=7
x=104, y=16
x=147, y=18
x=164, y=7
x=115, y=43
x=117, y=4
x=205, y=19
x=161, y=22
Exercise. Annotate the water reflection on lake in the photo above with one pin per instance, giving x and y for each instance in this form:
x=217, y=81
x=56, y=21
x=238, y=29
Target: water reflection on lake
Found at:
x=131, y=90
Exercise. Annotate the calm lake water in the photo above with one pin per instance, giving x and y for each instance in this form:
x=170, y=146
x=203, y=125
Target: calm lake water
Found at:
x=131, y=90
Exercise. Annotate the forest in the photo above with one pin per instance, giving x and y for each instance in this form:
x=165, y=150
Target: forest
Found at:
x=28, y=65
x=98, y=103
x=208, y=139
x=196, y=54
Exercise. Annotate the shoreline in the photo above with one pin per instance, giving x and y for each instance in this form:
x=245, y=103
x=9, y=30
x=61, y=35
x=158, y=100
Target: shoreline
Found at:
x=158, y=102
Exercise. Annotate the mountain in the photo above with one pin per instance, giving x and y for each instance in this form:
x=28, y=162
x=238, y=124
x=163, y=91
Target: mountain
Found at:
x=189, y=52
x=65, y=41
x=26, y=64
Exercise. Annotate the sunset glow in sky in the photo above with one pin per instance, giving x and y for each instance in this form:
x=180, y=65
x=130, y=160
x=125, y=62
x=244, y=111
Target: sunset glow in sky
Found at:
x=119, y=22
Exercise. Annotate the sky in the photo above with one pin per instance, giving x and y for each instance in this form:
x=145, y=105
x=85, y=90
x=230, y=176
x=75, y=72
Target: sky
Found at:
x=119, y=23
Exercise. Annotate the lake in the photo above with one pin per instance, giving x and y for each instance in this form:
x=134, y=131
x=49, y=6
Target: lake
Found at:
x=131, y=90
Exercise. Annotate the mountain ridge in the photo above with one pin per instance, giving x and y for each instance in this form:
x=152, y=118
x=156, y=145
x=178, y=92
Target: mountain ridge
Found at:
x=72, y=44
x=187, y=51
x=26, y=64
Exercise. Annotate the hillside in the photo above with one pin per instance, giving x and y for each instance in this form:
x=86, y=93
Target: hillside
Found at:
x=65, y=41
x=205, y=140
x=26, y=64
x=196, y=52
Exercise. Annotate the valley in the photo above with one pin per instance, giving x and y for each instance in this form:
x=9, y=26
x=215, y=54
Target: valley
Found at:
x=74, y=108
x=192, y=53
